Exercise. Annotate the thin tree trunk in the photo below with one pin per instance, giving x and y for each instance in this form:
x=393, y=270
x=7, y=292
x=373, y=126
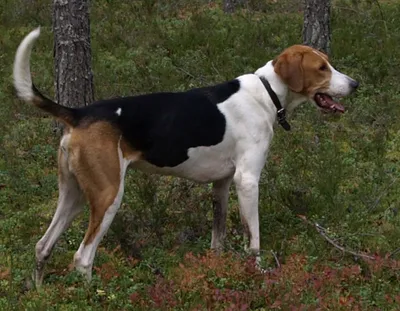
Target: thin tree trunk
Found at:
x=72, y=53
x=316, y=27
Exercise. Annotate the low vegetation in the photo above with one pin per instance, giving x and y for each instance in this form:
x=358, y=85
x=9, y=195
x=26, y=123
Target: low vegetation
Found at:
x=340, y=173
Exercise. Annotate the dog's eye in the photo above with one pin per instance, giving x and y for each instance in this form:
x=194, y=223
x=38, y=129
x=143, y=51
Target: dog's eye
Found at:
x=323, y=67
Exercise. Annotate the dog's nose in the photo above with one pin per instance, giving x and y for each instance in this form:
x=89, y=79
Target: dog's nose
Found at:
x=354, y=84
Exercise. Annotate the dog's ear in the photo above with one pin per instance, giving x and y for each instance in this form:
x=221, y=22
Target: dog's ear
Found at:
x=289, y=68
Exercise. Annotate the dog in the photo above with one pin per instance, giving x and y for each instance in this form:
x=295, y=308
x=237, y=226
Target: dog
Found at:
x=215, y=134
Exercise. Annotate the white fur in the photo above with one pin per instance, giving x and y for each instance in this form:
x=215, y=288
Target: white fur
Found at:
x=118, y=111
x=22, y=72
x=340, y=84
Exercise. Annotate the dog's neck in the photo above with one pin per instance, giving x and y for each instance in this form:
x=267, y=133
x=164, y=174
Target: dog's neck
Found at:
x=289, y=100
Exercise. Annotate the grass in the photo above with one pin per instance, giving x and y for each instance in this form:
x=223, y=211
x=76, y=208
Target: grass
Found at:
x=340, y=172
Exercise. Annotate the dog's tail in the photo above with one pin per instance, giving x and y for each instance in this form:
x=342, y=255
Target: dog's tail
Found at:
x=28, y=92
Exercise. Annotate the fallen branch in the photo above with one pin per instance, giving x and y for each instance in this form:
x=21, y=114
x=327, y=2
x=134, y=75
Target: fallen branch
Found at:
x=322, y=231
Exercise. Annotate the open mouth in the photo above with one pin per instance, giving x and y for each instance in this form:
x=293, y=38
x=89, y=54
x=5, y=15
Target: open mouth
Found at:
x=327, y=103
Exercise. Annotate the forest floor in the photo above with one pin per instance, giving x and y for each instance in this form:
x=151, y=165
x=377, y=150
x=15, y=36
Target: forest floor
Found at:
x=339, y=172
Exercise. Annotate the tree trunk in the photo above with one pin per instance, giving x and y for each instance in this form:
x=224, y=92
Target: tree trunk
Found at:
x=231, y=5
x=72, y=53
x=316, y=27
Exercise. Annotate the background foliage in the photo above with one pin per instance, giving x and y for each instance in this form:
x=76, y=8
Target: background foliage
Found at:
x=340, y=172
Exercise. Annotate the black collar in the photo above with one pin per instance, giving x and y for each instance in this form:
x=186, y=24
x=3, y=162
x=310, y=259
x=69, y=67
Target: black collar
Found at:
x=281, y=112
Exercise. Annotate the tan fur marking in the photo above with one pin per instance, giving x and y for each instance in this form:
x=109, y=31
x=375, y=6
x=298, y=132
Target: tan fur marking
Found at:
x=316, y=80
x=300, y=67
x=128, y=153
x=95, y=162
x=290, y=68
x=322, y=54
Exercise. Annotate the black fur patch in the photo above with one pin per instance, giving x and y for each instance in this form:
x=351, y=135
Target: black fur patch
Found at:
x=165, y=125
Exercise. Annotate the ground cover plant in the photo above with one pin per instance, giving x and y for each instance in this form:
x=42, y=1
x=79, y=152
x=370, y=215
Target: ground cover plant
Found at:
x=340, y=173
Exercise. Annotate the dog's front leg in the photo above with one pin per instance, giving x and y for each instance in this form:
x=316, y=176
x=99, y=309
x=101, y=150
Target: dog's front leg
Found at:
x=220, y=207
x=246, y=179
x=247, y=189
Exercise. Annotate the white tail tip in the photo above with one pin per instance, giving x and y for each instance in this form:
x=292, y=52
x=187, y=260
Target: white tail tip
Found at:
x=22, y=72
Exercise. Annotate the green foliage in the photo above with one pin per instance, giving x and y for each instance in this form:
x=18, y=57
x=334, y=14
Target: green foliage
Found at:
x=339, y=172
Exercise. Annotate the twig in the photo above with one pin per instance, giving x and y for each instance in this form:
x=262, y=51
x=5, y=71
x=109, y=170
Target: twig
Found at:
x=155, y=270
x=276, y=259
x=215, y=69
x=397, y=250
x=384, y=192
x=185, y=72
x=322, y=231
x=380, y=10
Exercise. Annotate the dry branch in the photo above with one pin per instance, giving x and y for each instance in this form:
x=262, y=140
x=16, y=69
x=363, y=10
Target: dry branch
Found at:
x=322, y=231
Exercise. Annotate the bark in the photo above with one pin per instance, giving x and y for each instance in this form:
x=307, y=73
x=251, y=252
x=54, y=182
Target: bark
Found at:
x=316, y=27
x=72, y=53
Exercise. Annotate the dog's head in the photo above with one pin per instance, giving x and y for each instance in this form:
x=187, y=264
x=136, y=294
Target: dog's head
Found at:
x=308, y=73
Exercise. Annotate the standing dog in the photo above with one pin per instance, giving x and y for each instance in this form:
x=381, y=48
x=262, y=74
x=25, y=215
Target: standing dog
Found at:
x=213, y=134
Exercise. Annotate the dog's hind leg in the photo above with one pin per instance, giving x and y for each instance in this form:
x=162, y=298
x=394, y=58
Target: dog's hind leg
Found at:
x=101, y=176
x=70, y=204
x=220, y=207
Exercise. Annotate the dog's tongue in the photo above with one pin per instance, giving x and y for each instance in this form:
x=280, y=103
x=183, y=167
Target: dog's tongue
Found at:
x=326, y=102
